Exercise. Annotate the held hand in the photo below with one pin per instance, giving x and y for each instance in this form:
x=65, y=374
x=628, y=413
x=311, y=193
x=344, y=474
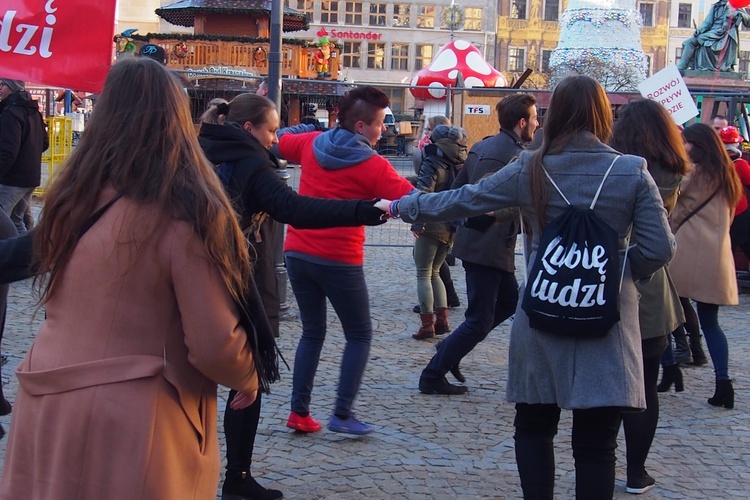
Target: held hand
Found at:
x=368, y=213
x=243, y=399
x=383, y=205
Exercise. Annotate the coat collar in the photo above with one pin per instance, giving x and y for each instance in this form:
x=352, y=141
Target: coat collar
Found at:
x=514, y=137
x=586, y=142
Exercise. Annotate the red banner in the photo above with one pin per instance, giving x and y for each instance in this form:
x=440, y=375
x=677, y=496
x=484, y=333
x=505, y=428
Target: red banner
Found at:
x=60, y=43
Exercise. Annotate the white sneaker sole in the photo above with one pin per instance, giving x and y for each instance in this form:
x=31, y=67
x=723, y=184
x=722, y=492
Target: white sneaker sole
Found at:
x=639, y=491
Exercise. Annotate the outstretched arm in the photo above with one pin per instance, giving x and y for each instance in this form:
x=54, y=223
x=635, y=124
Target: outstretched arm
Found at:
x=15, y=258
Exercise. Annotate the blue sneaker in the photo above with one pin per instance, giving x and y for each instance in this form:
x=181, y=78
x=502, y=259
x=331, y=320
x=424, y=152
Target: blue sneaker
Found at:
x=349, y=426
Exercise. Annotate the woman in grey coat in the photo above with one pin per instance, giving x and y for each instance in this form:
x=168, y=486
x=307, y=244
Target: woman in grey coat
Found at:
x=596, y=378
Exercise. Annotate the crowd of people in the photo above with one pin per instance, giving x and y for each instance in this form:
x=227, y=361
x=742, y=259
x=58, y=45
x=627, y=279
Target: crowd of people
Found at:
x=154, y=263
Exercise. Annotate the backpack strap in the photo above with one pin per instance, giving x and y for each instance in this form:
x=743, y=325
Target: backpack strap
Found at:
x=555, y=185
x=598, y=191
x=606, y=174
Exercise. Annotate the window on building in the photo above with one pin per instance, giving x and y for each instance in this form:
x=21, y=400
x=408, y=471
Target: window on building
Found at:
x=375, y=55
x=647, y=14
x=551, y=10
x=353, y=13
x=423, y=56
x=518, y=9
x=684, y=15
x=401, y=15
x=351, y=55
x=329, y=12
x=304, y=6
x=546, y=54
x=744, y=66
x=426, y=16
x=397, y=100
x=473, y=19
x=677, y=54
x=377, y=14
x=516, y=58
x=400, y=56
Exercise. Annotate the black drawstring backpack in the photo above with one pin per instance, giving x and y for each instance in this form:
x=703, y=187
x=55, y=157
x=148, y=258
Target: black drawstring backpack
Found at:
x=574, y=284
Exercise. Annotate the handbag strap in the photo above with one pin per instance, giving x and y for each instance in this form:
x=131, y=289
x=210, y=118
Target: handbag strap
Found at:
x=697, y=209
x=97, y=215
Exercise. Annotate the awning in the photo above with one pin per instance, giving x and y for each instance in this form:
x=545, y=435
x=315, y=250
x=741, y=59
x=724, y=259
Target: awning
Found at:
x=182, y=13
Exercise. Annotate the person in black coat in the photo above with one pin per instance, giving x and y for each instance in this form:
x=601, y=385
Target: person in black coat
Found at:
x=23, y=139
x=241, y=147
x=486, y=247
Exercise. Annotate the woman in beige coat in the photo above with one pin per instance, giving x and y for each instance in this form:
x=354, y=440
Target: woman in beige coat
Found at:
x=117, y=395
x=703, y=267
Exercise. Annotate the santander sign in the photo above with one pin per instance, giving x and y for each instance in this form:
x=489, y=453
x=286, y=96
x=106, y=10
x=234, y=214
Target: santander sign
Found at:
x=349, y=34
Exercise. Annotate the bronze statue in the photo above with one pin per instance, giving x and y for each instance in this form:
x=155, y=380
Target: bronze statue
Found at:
x=714, y=45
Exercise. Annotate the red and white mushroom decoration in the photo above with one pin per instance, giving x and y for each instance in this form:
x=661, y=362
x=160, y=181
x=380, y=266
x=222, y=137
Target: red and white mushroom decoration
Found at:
x=454, y=57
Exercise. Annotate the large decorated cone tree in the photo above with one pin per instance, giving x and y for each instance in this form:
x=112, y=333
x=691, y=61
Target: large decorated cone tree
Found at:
x=602, y=39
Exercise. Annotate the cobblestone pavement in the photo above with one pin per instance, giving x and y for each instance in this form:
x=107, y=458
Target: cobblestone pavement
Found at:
x=442, y=447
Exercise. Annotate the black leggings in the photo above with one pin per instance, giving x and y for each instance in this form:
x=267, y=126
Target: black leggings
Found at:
x=240, y=428
x=640, y=427
x=594, y=443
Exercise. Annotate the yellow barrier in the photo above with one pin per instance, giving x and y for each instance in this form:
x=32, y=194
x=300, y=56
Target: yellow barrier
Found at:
x=60, y=132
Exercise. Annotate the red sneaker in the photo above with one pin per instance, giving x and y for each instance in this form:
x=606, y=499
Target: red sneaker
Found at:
x=303, y=424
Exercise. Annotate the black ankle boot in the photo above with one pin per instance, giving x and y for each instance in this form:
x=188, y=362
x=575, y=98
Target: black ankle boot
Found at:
x=724, y=394
x=440, y=386
x=240, y=485
x=682, y=353
x=671, y=375
x=696, y=348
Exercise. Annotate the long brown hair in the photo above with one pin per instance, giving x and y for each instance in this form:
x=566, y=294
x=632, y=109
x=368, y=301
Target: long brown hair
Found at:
x=578, y=104
x=713, y=165
x=243, y=108
x=141, y=141
x=644, y=128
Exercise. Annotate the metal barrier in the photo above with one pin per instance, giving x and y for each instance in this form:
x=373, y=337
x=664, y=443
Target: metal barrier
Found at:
x=60, y=133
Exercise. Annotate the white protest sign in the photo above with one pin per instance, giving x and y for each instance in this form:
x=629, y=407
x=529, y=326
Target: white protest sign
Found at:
x=668, y=89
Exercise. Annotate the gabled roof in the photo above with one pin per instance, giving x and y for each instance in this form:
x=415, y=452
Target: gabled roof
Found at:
x=182, y=13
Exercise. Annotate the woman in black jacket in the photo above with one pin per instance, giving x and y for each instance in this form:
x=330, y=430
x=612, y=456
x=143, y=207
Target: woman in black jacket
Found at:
x=240, y=147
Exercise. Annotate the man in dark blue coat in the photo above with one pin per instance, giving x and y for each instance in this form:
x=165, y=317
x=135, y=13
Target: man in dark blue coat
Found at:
x=486, y=246
x=23, y=138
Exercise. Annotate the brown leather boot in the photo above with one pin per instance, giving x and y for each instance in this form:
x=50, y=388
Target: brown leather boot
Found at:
x=427, y=330
x=442, y=325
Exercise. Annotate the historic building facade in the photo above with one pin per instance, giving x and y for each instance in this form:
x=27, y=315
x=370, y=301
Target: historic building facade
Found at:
x=528, y=32
x=386, y=42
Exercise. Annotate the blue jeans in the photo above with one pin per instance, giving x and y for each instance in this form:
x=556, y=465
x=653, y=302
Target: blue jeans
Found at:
x=345, y=287
x=493, y=295
x=429, y=255
x=708, y=316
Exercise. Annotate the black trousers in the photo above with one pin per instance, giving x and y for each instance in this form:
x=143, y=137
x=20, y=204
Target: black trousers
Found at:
x=640, y=427
x=493, y=295
x=594, y=444
x=240, y=428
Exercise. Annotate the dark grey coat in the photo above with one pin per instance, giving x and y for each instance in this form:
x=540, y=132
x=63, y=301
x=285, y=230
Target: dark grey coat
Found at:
x=494, y=247
x=544, y=368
